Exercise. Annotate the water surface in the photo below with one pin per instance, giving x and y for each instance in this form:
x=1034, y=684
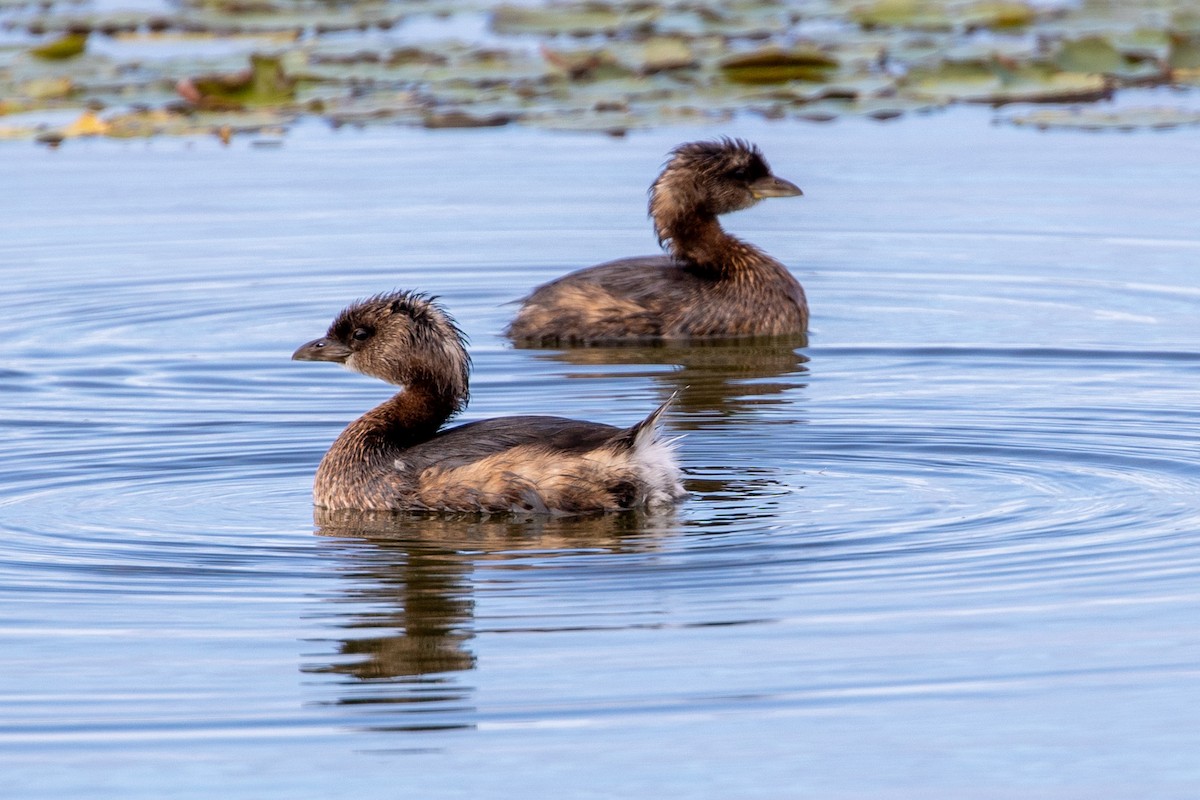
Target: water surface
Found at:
x=946, y=548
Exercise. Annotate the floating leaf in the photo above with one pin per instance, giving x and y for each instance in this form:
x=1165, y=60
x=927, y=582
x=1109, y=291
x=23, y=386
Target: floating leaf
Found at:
x=752, y=19
x=1090, y=54
x=462, y=119
x=69, y=46
x=775, y=65
x=642, y=63
x=405, y=108
x=1142, y=43
x=264, y=84
x=659, y=54
x=1096, y=120
x=953, y=80
x=902, y=14
x=149, y=122
x=998, y=15
x=582, y=64
x=1096, y=54
x=1040, y=85
x=1185, y=52
x=406, y=56
x=1186, y=19
x=583, y=19
x=12, y=107
x=88, y=124
x=930, y=15
x=50, y=87
x=1001, y=82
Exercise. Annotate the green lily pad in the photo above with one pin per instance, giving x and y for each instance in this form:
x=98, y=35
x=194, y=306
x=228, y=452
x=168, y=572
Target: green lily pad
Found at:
x=641, y=63
x=953, y=80
x=998, y=15
x=1143, y=43
x=576, y=19
x=264, y=84
x=1185, y=19
x=776, y=65
x=456, y=118
x=1090, y=54
x=657, y=54
x=1100, y=120
x=62, y=48
x=1096, y=54
x=49, y=87
x=295, y=16
x=903, y=14
x=999, y=83
x=731, y=19
x=931, y=15
x=1185, y=52
x=592, y=64
x=1038, y=84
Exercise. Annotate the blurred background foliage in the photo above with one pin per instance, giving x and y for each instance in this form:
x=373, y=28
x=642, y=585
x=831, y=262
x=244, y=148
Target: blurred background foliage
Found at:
x=90, y=68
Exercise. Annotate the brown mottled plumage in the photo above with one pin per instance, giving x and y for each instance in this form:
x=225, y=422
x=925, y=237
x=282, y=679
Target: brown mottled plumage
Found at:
x=711, y=285
x=395, y=458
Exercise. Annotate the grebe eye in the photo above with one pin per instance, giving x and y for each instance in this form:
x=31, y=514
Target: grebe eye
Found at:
x=361, y=334
x=739, y=174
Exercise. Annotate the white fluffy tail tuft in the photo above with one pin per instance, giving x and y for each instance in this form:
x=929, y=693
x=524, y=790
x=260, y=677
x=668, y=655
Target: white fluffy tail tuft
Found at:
x=655, y=458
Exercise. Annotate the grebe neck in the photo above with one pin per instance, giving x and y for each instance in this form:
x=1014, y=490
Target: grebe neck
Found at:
x=697, y=238
x=409, y=417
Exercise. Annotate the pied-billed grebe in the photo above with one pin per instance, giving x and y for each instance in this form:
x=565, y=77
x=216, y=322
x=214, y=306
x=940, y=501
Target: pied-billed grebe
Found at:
x=395, y=458
x=711, y=284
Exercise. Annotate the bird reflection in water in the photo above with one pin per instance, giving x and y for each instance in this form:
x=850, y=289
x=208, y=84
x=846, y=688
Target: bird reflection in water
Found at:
x=715, y=380
x=408, y=606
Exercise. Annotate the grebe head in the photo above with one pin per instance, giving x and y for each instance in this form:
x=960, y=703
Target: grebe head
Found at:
x=714, y=178
x=403, y=338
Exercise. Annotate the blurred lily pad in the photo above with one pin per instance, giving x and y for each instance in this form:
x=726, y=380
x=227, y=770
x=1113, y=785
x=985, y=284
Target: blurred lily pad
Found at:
x=49, y=87
x=151, y=122
x=1089, y=54
x=88, y=124
x=1099, y=120
x=456, y=118
x=998, y=14
x=1096, y=54
x=577, y=19
x=604, y=65
x=999, y=82
x=64, y=47
x=1036, y=84
x=1142, y=43
x=1185, y=18
x=932, y=15
x=953, y=80
x=1185, y=52
x=776, y=65
x=288, y=15
x=263, y=84
x=592, y=64
x=657, y=54
x=903, y=14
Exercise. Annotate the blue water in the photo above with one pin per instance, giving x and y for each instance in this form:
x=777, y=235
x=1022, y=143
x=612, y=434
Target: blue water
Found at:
x=949, y=548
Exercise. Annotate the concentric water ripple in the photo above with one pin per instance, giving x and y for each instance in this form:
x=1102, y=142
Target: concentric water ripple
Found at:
x=957, y=524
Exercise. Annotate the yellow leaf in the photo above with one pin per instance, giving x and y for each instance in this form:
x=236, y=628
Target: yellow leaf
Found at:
x=88, y=124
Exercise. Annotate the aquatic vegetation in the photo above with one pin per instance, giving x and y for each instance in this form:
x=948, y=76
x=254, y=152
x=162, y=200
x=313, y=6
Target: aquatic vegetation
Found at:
x=605, y=65
x=1093, y=119
x=62, y=48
